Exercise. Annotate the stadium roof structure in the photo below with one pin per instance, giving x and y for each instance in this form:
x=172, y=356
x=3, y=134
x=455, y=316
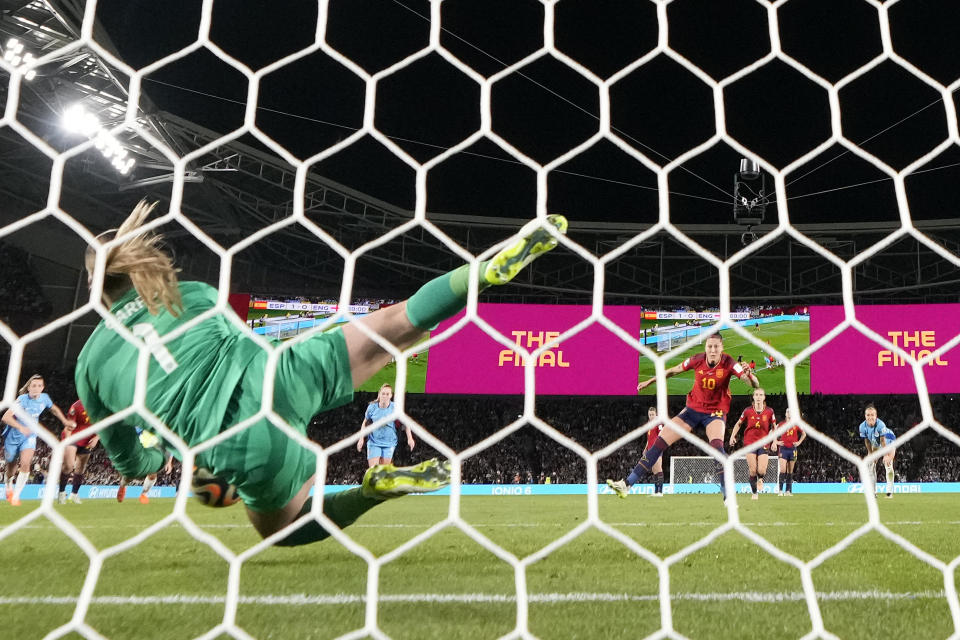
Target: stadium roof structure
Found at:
x=237, y=186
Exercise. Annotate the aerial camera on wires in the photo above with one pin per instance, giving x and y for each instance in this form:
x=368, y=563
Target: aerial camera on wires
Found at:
x=749, y=198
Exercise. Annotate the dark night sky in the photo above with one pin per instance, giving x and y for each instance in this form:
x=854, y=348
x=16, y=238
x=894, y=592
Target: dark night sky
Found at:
x=546, y=108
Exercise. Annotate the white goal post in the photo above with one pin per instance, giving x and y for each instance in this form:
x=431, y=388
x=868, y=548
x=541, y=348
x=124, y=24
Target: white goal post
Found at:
x=668, y=338
x=703, y=469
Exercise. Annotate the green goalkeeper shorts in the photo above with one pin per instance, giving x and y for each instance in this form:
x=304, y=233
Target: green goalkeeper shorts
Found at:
x=267, y=466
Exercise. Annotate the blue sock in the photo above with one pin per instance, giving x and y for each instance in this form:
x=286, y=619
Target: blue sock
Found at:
x=636, y=475
x=717, y=444
x=658, y=483
x=649, y=458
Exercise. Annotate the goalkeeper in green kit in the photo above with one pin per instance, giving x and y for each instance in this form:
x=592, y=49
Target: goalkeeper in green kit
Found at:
x=211, y=377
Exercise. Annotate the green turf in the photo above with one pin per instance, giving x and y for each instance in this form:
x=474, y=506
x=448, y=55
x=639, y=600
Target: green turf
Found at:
x=609, y=591
x=257, y=314
x=416, y=375
x=790, y=338
x=416, y=371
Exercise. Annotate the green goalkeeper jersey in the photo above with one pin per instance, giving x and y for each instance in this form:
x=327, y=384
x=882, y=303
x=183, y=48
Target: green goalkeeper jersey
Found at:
x=190, y=380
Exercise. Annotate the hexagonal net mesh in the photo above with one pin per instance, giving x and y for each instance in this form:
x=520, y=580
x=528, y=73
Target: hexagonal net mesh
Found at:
x=420, y=219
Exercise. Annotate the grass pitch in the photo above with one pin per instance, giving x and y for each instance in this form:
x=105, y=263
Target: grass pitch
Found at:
x=790, y=338
x=416, y=375
x=449, y=586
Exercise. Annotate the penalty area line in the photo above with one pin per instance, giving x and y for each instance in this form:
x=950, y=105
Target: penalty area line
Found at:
x=302, y=599
x=532, y=525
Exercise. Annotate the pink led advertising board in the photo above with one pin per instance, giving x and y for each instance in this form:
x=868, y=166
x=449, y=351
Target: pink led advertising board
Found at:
x=852, y=363
x=593, y=362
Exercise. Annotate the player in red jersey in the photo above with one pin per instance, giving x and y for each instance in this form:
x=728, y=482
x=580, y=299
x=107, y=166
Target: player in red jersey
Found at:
x=622, y=487
x=76, y=455
x=707, y=403
x=758, y=419
x=788, y=442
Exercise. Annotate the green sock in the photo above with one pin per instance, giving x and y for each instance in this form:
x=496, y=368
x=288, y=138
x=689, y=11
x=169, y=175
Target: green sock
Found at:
x=343, y=508
x=442, y=298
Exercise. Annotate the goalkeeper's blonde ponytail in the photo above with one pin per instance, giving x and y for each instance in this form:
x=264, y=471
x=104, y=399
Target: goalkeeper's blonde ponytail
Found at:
x=139, y=261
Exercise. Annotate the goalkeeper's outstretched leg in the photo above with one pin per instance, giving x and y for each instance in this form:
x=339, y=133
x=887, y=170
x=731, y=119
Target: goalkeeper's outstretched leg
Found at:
x=380, y=483
x=404, y=324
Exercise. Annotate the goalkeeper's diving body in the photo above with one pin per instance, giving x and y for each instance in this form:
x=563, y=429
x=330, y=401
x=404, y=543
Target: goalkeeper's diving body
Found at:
x=211, y=377
x=707, y=406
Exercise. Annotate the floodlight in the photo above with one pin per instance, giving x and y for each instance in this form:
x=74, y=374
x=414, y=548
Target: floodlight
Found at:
x=15, y=55
x=76, y=119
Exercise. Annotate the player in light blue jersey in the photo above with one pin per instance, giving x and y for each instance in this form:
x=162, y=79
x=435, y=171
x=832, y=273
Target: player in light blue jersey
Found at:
x=876, y=435
x=383, y=441
x=20, y=439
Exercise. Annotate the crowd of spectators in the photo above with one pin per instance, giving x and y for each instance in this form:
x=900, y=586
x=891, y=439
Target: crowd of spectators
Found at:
x=529, y=453
x=595, y=423
x=19, y=291
x=755, y=311
x=22, y=302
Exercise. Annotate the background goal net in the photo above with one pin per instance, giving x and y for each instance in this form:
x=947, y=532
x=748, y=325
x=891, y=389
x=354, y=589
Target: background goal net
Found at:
x=703, y=470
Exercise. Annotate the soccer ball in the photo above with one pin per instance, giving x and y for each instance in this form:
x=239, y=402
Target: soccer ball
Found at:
x=212, y=490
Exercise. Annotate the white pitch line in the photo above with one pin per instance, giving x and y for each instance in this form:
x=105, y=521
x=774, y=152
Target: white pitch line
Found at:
x=532, y=525
x=302, y=599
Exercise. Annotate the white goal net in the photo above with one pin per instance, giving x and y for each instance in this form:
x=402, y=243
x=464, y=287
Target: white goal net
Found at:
x=671, y=338
x=704, y=470
x=371, y=567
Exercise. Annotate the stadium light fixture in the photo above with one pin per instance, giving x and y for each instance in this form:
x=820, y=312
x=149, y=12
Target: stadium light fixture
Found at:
x=15, y=54
x=78, y=120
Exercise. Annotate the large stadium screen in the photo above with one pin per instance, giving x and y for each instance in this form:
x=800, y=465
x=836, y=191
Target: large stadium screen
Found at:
x=593, y=362
x=853, y=363
x=785, y=330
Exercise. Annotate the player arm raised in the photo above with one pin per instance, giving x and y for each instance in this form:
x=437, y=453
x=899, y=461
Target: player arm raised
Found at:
x=120, y=440
x=669, y=373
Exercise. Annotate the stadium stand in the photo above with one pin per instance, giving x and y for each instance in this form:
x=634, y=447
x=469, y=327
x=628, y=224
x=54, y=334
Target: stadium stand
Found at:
x=529, y=456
